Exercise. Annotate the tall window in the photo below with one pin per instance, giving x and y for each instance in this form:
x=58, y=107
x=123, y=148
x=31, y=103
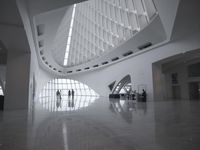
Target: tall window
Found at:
x=1, y=91
x=69, y=36
x=84, y=95
x=65, y=85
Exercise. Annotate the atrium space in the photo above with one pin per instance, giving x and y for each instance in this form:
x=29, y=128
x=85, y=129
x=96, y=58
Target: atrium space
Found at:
x=99, y=75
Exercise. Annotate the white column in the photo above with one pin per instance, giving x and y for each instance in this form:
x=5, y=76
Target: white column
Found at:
x=17, y=81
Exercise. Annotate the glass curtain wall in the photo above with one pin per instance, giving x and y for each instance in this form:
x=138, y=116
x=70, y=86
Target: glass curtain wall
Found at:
x=101, y=25
x=1, y=91
x=83, y=95
x=65, y=85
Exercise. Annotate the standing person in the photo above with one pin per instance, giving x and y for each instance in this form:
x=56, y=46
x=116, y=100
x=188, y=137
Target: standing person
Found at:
x=69, y=93
x=144, y=95
x=57, y=94
x=72, y=93
x=60, y=95
x=58, y=101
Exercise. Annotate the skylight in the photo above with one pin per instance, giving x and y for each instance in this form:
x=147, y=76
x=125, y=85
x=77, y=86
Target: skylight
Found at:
x=83, y=95
x=96, y=27
x=69, y=36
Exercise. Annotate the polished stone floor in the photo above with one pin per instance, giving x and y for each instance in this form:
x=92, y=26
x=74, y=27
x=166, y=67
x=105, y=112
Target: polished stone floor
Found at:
x=102, y=124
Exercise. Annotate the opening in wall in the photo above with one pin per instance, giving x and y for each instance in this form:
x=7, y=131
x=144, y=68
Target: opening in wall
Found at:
x=82, y=95
x=124, y=86
x=1, y=91
x=194, y=90
x=123, y=89
x=111, y=85
x=194, y=70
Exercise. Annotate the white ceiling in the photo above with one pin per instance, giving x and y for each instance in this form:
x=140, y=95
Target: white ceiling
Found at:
x=51, y=13
x=56, y=21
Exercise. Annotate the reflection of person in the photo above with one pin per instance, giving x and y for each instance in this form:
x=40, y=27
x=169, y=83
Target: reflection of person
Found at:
x=144, y=95
x=71, y=103
x=58, y=103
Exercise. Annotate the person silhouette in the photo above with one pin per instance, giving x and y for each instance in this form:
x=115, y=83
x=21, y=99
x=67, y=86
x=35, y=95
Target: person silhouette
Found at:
x=58, y=101
x=72, y=93
x=69, y=93
x=144, y=95
x=58, y=94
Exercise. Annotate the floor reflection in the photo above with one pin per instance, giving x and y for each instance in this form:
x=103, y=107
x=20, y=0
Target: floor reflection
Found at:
x=66, y=103
x=104, y=125
x=126, y=107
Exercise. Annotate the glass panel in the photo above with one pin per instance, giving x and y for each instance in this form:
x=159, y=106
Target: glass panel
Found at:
x=64, y=85
x=1, y=91
x=150, y=8
x=98, y=26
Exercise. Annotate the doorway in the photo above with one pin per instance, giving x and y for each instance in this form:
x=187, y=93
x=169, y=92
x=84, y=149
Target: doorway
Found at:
x=176, y=92
x=194, y=90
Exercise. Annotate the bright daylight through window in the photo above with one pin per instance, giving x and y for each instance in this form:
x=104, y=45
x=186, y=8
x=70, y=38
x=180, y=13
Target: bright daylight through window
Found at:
x=65, y=85
x=84, y=95
x=69, y=36
x=101, y=25
x=1, y=91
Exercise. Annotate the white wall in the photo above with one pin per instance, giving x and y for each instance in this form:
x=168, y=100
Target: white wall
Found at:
x=139, y=67
x=41, y=76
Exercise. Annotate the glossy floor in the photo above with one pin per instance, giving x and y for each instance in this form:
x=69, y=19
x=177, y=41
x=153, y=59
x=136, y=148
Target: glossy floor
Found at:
x=103, y=125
